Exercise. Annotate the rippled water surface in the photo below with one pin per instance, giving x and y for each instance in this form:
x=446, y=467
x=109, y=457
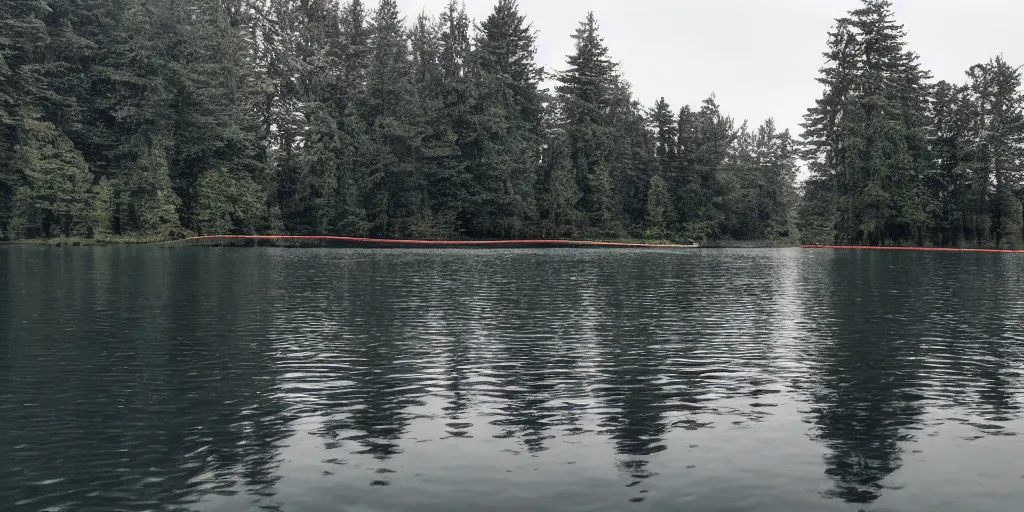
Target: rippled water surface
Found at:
x=141, y=378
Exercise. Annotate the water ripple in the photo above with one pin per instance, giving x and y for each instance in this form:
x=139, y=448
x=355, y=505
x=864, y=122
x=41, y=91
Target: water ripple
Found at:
x=220, y=379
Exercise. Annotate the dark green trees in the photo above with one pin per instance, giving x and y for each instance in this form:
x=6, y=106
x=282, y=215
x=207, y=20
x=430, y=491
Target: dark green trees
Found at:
x=56, y=185
x=585, y=99
x=866, y=136
x=895, y=160
x=503, y=139
x=160, y=119
x=978, y=132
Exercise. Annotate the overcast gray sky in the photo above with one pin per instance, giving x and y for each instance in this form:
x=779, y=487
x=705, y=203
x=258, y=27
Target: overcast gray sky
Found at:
x=759, y=57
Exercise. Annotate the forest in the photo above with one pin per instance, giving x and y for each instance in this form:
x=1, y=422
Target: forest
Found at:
x=160, y=119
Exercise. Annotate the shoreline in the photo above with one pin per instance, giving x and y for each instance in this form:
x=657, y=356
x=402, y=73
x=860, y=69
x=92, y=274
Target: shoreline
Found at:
x=330, y=241
x=899, y=248
x=383, y=243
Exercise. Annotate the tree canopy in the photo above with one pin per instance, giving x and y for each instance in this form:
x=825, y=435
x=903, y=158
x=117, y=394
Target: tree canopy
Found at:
x=896, y=159
x=141, y=117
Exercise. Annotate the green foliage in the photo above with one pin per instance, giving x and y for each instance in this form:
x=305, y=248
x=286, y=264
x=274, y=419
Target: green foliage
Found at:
x=895, y=160
x=147, y=119
x=57, y=186
x=145, y=202
x=559, y=194
x=658, y=206
x=230, y=203
x=101, y=218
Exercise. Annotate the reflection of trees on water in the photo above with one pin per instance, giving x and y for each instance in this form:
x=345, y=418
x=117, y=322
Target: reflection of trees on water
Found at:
x=365, y=337
x=159, y=398
x=629, y=377
x=865, y=398
x=177, y=366
x=974, y=356
x=537, y=367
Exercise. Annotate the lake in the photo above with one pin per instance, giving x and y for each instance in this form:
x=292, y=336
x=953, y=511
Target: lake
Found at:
x=145, y=378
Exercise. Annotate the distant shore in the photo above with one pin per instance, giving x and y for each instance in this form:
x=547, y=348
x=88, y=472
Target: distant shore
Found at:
x=911, y=248
x=299, y=241
x=294, y=241
x=370, y=243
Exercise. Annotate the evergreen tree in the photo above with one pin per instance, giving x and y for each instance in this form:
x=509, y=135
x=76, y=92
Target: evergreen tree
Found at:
x=144, y=117
x=395, y=186
x=57, y=188
x=997, y=148
x=711, y=137
x=867, y=133
x=23, y=39
x=658, y=205
x=436, y=54
x=229, y=203
x=586, y=92
x=773, y=182
x=320, y=164
x=558, y=191
x=662, y=122
x=949, y=182
x=353, y=136
x=133, y=121
x=213, y=126
x=501, y=138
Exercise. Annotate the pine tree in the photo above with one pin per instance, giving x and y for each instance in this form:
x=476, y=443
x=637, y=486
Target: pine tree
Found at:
x=395, y=187
x=23, y=39
x=58, y=185
x=586, y=92
x=229, y=203
x=632, y=157
x=949, y=183
x=658, y=206
x=213, y=125
x=664, y=133
x=132, y=121
x=319, y=162
x=997, y=147
x=710, y=136
x=777, y=170
x=558, y=191
x=867, y=135
x=143, y=200
x=356, y=36
x=501, y=136
x=736, y=186
x=145, y=117
x=353, y=135
x=662, y=122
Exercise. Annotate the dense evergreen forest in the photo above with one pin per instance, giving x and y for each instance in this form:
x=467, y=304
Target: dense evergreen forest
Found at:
x=163, y=118
x=896, y=159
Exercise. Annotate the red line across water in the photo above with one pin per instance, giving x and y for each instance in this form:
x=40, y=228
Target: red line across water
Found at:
x=935, y=249
x=427, y=242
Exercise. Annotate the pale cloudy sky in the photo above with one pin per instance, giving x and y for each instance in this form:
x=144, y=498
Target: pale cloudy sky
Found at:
x=760, y=57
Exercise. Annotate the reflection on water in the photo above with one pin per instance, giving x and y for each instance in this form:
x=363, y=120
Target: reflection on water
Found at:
x=137, y=378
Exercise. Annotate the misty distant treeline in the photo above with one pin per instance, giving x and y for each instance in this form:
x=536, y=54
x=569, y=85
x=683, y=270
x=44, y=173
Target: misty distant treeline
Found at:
x=164, y=118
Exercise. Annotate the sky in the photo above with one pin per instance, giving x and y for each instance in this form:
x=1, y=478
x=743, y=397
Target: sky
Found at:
x=759, y=57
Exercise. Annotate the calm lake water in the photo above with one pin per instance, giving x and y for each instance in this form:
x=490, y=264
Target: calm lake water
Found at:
x=143, y=378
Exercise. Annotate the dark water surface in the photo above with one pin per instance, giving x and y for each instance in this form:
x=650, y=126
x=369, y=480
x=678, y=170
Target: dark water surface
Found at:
x=141, y=378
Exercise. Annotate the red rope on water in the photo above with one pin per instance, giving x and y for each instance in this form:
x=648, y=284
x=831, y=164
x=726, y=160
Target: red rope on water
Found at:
x=426, y=242
x=934, y=249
